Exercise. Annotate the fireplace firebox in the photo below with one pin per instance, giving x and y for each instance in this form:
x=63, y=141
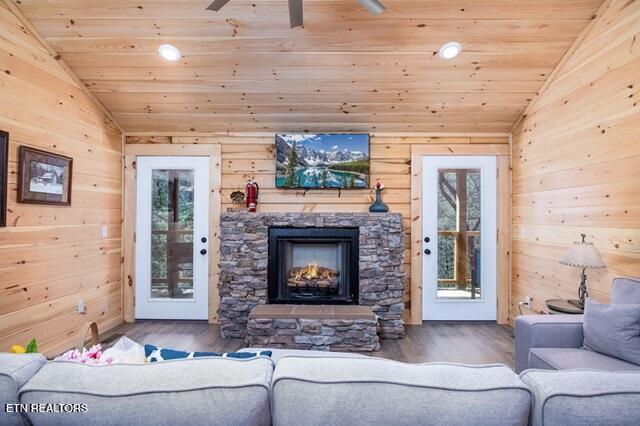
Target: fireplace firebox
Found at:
x=313, y=265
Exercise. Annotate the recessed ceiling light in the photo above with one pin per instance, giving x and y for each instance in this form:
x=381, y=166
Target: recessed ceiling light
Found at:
x=450, y=50
x=169, y=52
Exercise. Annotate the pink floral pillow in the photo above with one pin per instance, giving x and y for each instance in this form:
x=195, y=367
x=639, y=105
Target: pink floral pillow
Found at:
x=91, y=356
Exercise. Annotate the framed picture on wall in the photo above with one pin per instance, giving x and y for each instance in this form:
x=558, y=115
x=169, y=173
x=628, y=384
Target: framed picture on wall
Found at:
x=4, y=176
x=44, y=177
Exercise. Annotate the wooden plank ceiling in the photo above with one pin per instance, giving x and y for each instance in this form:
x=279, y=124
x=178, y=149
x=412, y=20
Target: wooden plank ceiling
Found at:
x=245, y=70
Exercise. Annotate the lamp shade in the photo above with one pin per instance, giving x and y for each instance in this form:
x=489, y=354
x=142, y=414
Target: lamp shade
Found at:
x=583, y=255
x=375, y=7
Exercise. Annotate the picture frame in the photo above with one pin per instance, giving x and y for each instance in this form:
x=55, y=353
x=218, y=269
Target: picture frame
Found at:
x=4, y=176
x=44, y=177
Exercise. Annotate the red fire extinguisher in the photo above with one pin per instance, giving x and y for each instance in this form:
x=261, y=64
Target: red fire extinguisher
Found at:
x=251, y=198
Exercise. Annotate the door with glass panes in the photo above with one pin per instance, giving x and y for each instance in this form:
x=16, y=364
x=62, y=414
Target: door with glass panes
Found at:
x=172, y=231
x=459, y=241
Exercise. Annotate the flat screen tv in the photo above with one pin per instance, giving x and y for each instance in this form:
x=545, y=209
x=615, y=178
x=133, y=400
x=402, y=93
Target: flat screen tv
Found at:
x=315, y=161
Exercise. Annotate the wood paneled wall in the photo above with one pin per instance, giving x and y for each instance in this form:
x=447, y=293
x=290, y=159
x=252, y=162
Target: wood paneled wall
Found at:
x=51, y=257
x=245, y=157
x=576, y=164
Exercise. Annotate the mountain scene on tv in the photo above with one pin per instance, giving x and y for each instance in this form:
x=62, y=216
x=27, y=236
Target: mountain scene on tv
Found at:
x=322, y=161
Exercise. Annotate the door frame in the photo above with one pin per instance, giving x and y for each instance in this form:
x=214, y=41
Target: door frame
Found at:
x=483, y=308
x=147, y=306
x=502, y=154
x=131, y=152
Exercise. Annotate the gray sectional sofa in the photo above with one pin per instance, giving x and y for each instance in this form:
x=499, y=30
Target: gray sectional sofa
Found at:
x=556, y=342
x=310, y=388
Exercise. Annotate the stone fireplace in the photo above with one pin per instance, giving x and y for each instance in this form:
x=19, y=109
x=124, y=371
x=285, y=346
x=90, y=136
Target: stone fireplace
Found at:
x=311, y=258
x=313, y=265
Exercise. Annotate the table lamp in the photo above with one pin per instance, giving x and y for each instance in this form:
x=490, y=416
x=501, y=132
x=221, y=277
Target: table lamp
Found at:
x=582, y=255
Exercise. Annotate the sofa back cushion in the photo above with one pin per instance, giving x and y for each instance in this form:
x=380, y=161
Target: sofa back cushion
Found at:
x=195, y=391
x=15, y=371
x=321, y=391
x=625, y=291
x=584, y=397
x=613, y=330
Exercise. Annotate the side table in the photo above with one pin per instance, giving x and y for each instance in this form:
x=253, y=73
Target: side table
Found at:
x=562, y=306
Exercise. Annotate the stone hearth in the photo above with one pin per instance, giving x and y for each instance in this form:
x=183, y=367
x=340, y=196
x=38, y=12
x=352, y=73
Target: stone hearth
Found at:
x=324, y=328
x=243, y=264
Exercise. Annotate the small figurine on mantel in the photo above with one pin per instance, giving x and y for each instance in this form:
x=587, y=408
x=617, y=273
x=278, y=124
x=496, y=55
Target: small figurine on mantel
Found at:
x=237, y=197
x=378, y=206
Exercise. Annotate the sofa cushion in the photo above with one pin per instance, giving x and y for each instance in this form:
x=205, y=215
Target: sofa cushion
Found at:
x=15, y=371
x=566, y=359
x=584, y=397
x=194, y=391
x=322, y=391
x=626, y=291
x=613, y=330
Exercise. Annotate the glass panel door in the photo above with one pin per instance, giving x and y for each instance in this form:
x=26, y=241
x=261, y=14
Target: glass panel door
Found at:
x=172, y=237
x=459, y=233
x=459, y=220
x=171, y=234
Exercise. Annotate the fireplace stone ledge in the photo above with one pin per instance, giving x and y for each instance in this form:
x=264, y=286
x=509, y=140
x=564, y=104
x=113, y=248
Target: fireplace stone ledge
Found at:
x=243, y=264
x=325, y=327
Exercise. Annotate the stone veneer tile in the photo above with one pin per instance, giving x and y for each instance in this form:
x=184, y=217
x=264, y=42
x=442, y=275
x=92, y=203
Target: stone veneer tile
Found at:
x=243, y=264
x=344, y=335
x=352, y=312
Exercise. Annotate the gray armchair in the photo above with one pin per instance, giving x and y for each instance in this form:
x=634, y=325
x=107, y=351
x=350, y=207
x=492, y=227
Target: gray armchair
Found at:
x=555, y=342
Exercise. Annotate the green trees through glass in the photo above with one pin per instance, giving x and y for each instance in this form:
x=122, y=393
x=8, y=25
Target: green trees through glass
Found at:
x=459, y=205
x=172, y=233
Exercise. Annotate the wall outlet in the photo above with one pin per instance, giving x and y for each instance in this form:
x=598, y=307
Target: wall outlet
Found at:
x=523, y=232
x=528, y=301
x=81, y=307
x=105, y=231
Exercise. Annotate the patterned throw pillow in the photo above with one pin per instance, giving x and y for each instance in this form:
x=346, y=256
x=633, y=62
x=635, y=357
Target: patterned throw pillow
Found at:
x=156, y=354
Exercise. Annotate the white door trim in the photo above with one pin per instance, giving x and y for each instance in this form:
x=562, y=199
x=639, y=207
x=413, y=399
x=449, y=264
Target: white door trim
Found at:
x=503, y=152
x=213, y=152
x=145, y=306
x=484, y=308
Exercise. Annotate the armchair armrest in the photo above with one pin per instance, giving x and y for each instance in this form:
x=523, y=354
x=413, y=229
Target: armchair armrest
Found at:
x=546, y=331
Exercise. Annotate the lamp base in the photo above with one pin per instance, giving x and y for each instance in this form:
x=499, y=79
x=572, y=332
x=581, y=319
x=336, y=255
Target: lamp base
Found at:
x=577, y=303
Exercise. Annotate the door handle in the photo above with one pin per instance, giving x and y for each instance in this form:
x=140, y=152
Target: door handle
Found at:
x=427, y=239
x=427, y=251
x=203, y=251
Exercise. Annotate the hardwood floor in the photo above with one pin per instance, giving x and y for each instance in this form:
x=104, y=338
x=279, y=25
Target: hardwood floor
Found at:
x=461, y=342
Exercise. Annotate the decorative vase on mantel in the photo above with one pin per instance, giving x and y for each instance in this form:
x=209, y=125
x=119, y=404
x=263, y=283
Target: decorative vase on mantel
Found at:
x=378, y=206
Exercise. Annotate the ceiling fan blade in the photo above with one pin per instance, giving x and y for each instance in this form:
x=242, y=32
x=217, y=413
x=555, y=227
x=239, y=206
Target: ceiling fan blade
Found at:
x=296, y=16
x=374, y=7
x=217, y=5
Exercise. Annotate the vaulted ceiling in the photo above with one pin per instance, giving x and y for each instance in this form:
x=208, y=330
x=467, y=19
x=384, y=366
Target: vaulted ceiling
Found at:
x=244, y=70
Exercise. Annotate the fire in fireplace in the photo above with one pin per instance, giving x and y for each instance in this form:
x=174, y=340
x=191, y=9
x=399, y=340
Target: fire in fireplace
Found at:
x=313, y=276
x=313, y=265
